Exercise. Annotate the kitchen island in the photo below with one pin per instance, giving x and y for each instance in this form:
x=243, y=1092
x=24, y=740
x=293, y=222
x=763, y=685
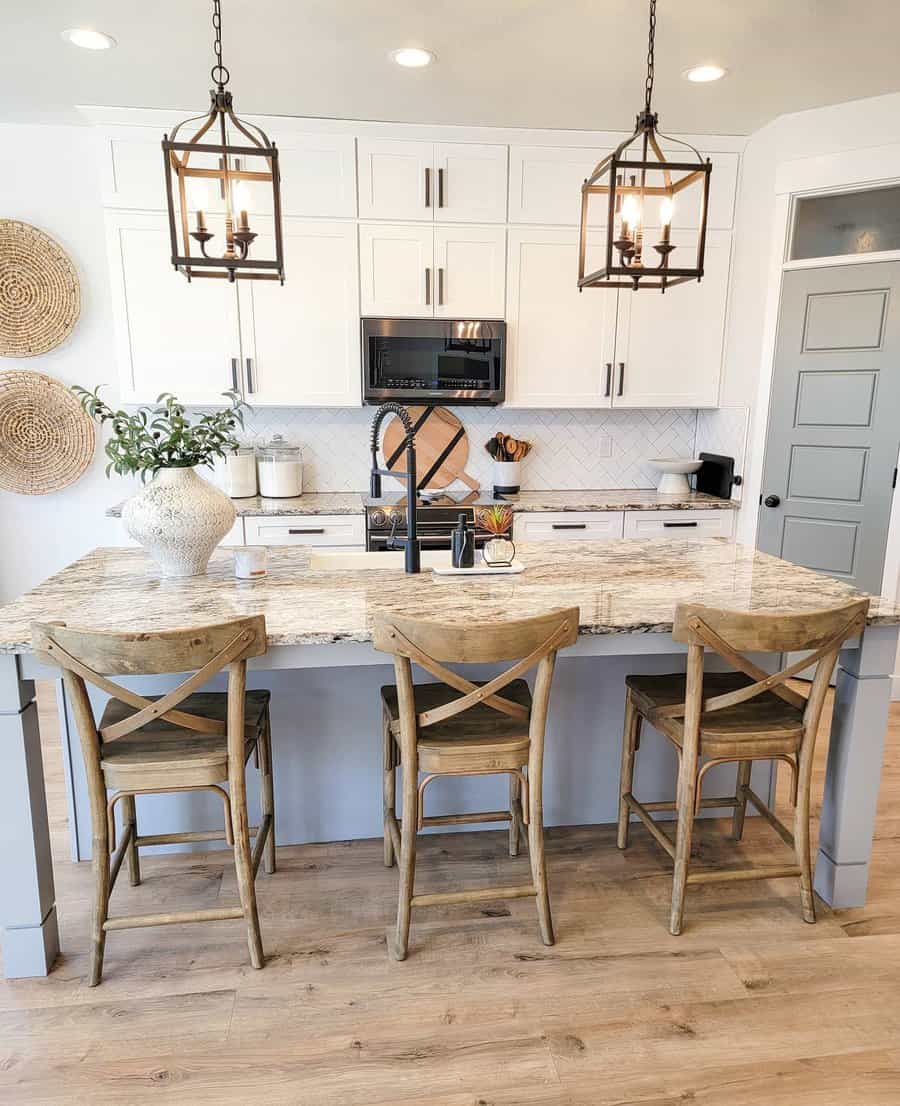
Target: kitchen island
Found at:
x=325, y=675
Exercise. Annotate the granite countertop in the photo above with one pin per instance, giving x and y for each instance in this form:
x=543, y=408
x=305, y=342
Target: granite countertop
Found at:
x=619, y=586
x=351, y=503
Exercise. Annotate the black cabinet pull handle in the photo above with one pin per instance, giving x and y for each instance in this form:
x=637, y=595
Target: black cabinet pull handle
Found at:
x=428, y=188
x=621, y=388
x=251, y=388
x=440, y=187
x=235, y=387
x=677, y=524
x=427, y=286
x=310, y=530
x=608, y=391
x=568, y=526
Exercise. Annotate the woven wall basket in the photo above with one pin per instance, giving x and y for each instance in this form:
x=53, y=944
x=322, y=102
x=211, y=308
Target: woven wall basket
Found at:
x=39, y=294
x=46, y=439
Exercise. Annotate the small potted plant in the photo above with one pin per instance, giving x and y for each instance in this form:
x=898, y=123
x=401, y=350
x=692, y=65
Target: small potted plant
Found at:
x=179, y=517
x=499, y=550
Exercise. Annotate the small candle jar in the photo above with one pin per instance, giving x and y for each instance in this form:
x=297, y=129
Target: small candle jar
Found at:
x=250, y=562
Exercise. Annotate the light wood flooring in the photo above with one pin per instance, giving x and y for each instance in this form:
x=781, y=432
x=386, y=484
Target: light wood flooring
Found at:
x=749, y=1006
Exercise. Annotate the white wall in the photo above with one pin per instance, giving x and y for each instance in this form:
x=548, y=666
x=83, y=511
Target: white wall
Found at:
x=50, y=181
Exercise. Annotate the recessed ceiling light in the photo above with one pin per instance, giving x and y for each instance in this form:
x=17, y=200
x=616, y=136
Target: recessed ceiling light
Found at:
x=700, y=74
x=88, y=39
x=412, y=57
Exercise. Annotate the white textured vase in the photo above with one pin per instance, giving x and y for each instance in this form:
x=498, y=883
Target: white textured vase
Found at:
x=179, y=518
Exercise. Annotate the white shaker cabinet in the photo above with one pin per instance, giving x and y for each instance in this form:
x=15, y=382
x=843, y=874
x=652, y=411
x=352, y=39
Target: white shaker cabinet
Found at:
x=560, y=342
x=171, y=336
x=301, y=340
x=669, y=346
x=454, y=182
x=411, y=270
x=396, y=263
x=470, y=267
x=545, y=183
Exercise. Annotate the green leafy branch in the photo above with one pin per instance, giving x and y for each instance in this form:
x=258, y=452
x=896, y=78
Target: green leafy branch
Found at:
x=154, y=438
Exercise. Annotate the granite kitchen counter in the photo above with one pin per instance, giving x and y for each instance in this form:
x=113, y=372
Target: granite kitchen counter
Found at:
x=619, y=586
x=351, y=503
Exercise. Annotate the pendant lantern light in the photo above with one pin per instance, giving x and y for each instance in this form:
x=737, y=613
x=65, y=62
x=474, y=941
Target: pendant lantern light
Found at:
x=641, y=186
x=222, y=179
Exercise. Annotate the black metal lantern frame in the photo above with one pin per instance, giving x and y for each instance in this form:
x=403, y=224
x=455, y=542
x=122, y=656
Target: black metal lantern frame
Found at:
x=257, y=161
x=627, y=178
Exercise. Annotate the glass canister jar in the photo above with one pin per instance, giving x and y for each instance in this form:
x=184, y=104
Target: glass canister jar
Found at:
x=280, y=468
x=235, y=473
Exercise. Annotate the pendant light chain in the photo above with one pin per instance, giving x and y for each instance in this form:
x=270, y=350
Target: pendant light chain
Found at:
x=219, y=72
x=649, y=82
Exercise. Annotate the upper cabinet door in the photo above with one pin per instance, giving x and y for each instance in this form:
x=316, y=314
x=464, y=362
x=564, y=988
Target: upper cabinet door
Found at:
x=545, y=183
x=470, y=267
x=171, y=335
x=396, y=179
x=669, y=347
x=560, y=341
x=471, y=183
x=397, y=269
x=318, y=172
x=301, y=341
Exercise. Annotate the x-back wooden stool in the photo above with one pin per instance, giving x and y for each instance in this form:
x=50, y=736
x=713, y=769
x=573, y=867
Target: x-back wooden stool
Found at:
x=735, y=717
x=460, y=728
x=185, y=740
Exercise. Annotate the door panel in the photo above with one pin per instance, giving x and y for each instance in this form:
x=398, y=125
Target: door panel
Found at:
x=560, y=347
x=470, y=183
x=302, y=340
x=833, y=430
x=470, y=268
x=669, y=346
x=397, y=269
x=392, y=179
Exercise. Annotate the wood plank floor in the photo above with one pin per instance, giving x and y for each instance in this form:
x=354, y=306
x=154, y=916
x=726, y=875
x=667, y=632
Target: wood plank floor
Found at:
x=748, y=1006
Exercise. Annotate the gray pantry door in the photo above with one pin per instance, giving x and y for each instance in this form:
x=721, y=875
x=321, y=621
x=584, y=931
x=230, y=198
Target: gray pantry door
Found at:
x=834, y=421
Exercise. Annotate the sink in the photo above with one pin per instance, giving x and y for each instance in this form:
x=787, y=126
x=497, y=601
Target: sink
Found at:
x=357, y=560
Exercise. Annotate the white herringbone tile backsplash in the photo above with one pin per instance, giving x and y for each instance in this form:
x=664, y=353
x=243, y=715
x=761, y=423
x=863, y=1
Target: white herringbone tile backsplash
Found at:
x=571, y=448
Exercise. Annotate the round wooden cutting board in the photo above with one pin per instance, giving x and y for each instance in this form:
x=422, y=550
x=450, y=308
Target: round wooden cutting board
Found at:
x=440, y=432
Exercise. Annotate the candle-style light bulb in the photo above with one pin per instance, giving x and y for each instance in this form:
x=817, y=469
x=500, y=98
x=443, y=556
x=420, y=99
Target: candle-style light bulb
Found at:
x=630, y=214
x=240, y=202
x=666, y=210
x=198, y=198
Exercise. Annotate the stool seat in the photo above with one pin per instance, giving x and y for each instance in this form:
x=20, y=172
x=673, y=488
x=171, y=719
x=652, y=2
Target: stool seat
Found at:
x=765, y=725
x=163, y=750
x=478, y=738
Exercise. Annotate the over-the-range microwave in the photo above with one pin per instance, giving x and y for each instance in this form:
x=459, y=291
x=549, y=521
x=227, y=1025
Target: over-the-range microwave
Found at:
x=431, y=361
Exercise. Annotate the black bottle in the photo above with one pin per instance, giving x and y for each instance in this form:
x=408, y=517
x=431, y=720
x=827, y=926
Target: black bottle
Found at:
x=462, y=544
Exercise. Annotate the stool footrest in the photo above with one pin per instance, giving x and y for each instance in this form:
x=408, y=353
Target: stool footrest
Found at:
x=138, y=921
x=479, y=894
x=744, y=874
x=463, y=819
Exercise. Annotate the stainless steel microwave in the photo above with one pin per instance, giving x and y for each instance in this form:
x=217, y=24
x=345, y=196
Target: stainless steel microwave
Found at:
x=432, y=361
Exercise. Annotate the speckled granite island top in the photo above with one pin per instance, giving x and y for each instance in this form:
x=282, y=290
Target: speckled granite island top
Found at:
x=619, y=586
x=351, y=503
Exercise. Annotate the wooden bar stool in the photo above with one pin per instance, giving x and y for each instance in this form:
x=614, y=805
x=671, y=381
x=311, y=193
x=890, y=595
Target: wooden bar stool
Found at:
x=185, y=740
x=735, y=717
x=460, y=728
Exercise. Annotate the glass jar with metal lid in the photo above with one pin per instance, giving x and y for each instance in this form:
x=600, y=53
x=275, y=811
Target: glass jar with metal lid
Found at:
x=280, y=468
x=235, y=473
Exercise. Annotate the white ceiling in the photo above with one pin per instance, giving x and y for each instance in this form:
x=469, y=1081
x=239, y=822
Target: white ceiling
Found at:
x=532, y=63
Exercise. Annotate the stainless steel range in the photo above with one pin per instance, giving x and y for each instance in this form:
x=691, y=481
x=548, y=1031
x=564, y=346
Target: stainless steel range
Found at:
x=436, y=518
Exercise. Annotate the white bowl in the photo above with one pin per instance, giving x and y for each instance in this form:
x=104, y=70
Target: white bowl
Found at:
x=681, y=465
x=675, y=470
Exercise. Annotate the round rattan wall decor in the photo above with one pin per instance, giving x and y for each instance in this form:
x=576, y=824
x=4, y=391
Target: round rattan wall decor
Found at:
x=46, y=439
x=39, y=294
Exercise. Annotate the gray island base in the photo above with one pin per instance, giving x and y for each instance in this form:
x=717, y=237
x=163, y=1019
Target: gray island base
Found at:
x=325, y=676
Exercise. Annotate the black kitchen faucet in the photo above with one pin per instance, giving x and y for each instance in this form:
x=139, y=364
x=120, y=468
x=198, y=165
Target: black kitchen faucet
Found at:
x=410, y=544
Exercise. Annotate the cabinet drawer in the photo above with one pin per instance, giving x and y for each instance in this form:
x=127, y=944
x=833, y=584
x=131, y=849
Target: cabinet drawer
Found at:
x=568, y=526
x=336, y=530
x=686, y=525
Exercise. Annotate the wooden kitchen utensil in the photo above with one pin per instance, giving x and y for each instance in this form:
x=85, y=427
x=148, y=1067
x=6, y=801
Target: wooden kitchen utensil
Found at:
x=442, y=448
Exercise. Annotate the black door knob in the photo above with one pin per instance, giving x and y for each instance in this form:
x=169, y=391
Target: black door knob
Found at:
x=772, y=500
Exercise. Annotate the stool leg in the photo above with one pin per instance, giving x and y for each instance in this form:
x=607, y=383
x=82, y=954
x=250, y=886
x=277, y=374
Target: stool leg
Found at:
x=267, y=794
x=388, y=786
x=801, y=847
x=687, y=790
x=243, y=864
x=407, y=856
x=630, y=737
x=515, y=822
x=129, y=814
x=536, y=848
x=740, y=810
x=100, y=905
